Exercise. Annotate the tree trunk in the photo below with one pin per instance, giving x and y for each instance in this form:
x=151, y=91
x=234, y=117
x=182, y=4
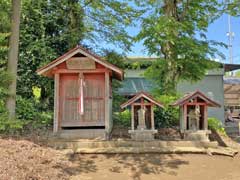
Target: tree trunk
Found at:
x=13, y=56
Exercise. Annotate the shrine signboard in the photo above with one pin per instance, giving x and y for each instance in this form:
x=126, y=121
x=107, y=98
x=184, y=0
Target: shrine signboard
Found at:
x=80, y=63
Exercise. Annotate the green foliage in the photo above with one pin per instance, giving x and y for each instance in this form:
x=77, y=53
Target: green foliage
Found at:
x=5, y=79
x=167, y=100
x=4, y=31
x=169, y=116
x=50, y=28
x=232, y=8
x=30, y=112
x=107, y=21
x=165, y=118
x=122, y=119
x=216, y=124
x=9, y=126
x=117, y=60
x=237, y=74
x=176, y=32
x=119, y=118
x=25, y=109
x=6, y=125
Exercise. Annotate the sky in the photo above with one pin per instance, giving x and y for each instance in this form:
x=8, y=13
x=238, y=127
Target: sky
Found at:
x=216, y=31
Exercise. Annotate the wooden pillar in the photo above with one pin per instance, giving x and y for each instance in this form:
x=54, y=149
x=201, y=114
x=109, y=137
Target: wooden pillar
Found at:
x=184, y=127
x=152, y=117
x=205, y=125
x=107, y=102
x=132, y=117
x=56, y=103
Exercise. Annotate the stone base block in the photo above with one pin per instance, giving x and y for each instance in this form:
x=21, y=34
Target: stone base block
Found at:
x=82, y=134
x=142, y=135
x=199, y=135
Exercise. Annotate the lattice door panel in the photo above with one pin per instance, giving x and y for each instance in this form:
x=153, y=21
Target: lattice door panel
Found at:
x=94, y=99
x=93, y=93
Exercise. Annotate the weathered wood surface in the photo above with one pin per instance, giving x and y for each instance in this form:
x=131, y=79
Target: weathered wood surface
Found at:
x=232, y=94
x=93, y=93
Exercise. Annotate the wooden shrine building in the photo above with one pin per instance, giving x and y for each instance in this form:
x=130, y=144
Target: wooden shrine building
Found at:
x=194, y=115
x=142, y=116
x=82, y=93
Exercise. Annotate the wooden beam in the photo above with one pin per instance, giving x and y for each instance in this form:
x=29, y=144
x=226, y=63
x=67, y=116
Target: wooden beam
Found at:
x=205, y=125
x=132, y=117
x=64, y=71
x=181, y=110
x=56, y=103
x=139, y=104
x=196, y=103
x=184, y=117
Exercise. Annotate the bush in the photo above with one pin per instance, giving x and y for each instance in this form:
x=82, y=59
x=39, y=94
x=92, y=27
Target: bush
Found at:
x=28, y=117
x=216, y=124
x=28, y=112
x=122, y=118
x=25, y=109
x=9, y=126
x=165, y=118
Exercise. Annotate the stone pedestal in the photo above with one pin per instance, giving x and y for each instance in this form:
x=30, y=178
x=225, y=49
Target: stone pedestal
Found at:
x=142, y=135
x=199, y=135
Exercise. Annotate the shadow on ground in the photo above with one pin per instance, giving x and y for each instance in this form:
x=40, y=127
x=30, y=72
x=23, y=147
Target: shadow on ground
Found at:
x=134, y=164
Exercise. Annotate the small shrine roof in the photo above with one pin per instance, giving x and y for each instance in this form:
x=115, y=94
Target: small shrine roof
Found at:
x=187, y=97
x=140, y=95
x=78, y=49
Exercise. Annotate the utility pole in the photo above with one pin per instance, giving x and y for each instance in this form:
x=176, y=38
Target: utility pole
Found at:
x=230, y=35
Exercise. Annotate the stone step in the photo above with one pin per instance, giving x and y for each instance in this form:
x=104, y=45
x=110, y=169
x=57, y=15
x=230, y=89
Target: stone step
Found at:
x=232, y=130
x=81, y=133
x=77, y=143
x=164, y=150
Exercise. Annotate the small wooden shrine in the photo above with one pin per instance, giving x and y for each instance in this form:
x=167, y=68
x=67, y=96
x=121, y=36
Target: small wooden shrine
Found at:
x=82, y=93
x=142, y=116
x=194, y=115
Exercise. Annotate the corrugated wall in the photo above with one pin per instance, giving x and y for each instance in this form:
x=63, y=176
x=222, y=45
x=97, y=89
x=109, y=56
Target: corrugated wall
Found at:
x=212, y=86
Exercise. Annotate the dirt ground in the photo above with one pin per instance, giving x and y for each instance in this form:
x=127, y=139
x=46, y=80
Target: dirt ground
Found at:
x=155, y=167
x=25, y=160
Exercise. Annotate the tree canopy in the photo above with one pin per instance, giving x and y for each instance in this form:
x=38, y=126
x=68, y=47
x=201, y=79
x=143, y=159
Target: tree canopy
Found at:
x=50, y=28
x=176, y=32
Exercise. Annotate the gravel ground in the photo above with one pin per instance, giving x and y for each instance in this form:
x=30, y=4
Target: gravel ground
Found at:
x=22, y=159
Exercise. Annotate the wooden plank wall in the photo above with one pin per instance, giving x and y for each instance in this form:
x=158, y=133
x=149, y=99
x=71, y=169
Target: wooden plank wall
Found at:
x=93, y=101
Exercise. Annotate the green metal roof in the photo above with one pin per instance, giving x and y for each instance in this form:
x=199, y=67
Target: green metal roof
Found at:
x=131, y=86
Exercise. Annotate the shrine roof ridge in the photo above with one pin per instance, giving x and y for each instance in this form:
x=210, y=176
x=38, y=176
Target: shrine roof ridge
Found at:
x=144, y=95
x=191, y=95
x=87, y=53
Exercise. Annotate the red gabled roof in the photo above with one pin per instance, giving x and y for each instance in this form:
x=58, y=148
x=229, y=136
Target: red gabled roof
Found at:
x=140, y=95
x=78, y=49
x=193, y=95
